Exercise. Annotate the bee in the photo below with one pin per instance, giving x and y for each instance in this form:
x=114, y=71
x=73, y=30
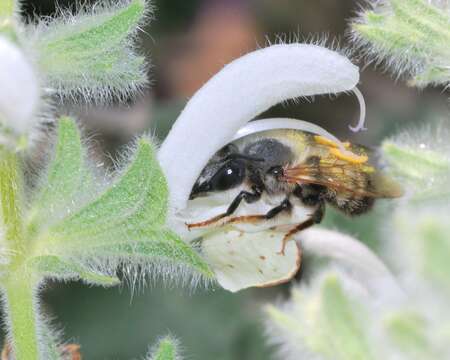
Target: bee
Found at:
x=283, y=180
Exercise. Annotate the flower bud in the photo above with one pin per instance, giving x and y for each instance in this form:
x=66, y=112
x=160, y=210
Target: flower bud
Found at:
x=19, y=90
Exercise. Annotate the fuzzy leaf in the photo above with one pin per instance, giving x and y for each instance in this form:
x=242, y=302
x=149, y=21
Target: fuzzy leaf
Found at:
x=324, y=323
x=436, y=246
x=339, y=325
x=127, y=220
x=55, y=267
x=66, y=175
x=425, y=242
x=92, y=53
x=166, y=349
x=408, y=331
x=411, y=36
x=138, y=198
x=146, y=247
x=415, y=163
x=425, y=168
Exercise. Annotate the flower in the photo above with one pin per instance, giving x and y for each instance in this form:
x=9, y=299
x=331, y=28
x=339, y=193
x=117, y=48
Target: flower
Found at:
x=239, y=92
x=19, y=90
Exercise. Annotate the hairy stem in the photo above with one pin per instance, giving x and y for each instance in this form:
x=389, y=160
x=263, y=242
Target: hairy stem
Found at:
x=20, y=309
x=10, y=184
x=19, y=285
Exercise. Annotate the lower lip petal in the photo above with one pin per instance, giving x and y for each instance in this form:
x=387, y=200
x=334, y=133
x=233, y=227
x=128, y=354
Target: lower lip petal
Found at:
x=241, y=260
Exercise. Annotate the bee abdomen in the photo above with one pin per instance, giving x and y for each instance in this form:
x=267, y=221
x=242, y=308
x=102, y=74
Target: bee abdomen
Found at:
x=352, y=206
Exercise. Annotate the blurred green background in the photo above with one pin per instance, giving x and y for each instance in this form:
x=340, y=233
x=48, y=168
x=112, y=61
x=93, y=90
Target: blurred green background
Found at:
x=187, y=42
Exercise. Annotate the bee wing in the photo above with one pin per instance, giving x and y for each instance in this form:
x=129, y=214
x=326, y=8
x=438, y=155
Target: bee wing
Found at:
x=357, y=179
x=241, y=260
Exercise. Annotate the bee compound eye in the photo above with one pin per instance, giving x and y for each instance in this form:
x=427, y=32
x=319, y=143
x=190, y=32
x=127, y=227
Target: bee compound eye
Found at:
x=198, y=189
x=228, y=176
x=276, y=171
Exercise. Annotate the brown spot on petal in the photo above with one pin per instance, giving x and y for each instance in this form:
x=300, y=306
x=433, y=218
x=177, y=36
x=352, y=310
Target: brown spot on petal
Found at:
x=289, y=276
x=262, y=257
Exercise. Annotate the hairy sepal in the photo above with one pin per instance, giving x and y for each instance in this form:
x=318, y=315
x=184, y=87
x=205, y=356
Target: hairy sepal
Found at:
x=165, y=349
x=92, y=53
x=409, y=37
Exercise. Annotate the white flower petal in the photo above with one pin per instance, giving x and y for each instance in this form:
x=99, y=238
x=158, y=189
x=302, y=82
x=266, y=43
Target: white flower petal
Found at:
x=238, y=93
x=353, y=256
x=19, y=90
x=242, y=259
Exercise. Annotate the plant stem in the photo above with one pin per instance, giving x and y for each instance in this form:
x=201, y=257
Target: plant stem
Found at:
x=20, y=307
x=18, y=286
x=10, y=183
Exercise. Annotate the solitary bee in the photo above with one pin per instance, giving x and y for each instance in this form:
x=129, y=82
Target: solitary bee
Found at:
x=282, y=180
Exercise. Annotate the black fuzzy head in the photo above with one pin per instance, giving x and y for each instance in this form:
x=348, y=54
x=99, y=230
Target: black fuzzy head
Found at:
x=255, y=164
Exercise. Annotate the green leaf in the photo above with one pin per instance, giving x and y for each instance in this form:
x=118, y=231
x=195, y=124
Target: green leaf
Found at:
x=92, y=53
x=411, y=36
x=434, y=235
x=284, y=320
x=137, y=199
x=408, y=331
x=420, y=10
x=146, y=247
x=66, y=176
x=166, y=349
x=345, y=338
x=431, y=75
x=126, y=221
x=55, y=267
x=415, y=163
x=323, y=322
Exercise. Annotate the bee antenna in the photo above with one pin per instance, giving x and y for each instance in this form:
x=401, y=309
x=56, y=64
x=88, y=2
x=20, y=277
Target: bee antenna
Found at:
x=362, y=111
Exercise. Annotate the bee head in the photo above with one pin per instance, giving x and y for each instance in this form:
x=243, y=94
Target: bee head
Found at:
x=259, y=160
x=226, y=170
